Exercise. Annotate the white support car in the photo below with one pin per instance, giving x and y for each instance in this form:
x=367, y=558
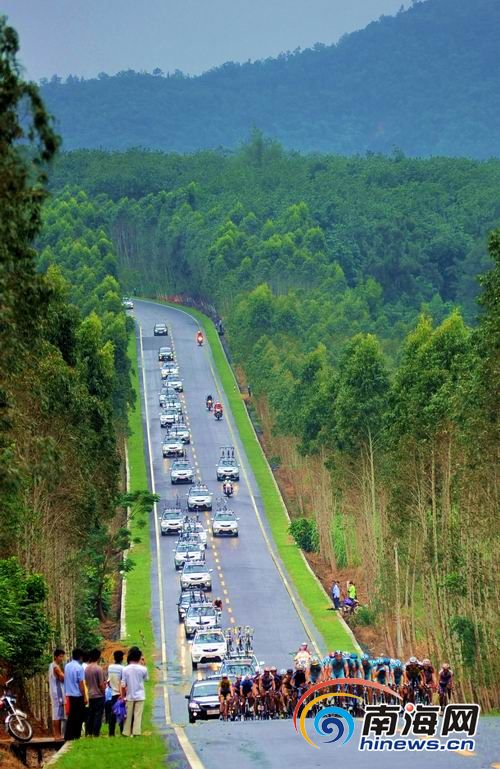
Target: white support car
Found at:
x=196, y=574
x=200, y=617
x=199, y=498
x=208, y=646
x=225, y=522
x=190, y=550
x=171, y=520
x=181, y=471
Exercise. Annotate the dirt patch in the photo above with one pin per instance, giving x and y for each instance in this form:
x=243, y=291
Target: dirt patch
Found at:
x=8, y=761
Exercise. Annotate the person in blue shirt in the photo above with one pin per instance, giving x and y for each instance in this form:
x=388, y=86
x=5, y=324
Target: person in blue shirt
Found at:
x=74, y=687
x=336, y=595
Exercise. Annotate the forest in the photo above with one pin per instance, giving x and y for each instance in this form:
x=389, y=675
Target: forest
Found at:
x=425, y=81
x=350, y=293
x=64, y=391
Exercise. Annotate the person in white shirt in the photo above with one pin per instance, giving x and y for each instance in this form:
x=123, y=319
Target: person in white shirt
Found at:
x=115, y=671
x=132, y=690
x=56, y=687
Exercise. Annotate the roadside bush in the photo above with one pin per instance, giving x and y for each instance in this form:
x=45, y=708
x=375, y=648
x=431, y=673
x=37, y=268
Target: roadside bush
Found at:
x=305, y=533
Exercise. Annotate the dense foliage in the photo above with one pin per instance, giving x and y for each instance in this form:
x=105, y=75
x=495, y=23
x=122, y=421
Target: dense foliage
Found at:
x=64, y=390
x=426, y=81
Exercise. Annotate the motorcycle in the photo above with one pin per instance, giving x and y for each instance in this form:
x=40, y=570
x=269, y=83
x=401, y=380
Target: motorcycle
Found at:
x=15, y=721
x=209, y=404
x=199, y=339
x=218, y=413
x=228, y=489
x=349, y=607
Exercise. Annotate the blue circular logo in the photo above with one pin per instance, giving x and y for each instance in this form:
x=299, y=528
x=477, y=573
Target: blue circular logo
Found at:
x=336, y=721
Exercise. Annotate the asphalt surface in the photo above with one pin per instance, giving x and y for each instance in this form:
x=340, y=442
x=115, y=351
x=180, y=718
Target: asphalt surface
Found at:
x=244, y=575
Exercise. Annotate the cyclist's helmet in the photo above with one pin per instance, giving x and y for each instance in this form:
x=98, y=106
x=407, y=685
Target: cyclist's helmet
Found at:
x=303, y=647
x=289, y=672
x=283, y=672
x=413, y=660
x=273, y=669
x=353, y=656
x=397, y=663
x=257, y=671
x=386, y=661
x=267, y=670
x=248, y=677
x=238, y=678
x=314, y=661
x=365, y=656
x=337, y=654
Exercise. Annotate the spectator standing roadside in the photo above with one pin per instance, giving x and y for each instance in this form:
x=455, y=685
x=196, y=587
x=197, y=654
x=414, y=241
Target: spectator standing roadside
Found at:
x=336, y=595
x=74, y=686
x=56, y=688
x=132, y=689
x=351, y=591
x=115, y=673
x=96, y=685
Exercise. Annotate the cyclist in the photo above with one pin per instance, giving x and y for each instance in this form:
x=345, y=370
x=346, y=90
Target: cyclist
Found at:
x=225, y=690
x=445, y=684
x=267, y=688
x=366, y=667
x=277, y=688
x=247, y=692
x=299, y=677
x=353, y=666
x=236, y=698
x=428, y=679
x=413, y=678
x=315, y=670
x=286, y=687
x=199, y=338
x=209, y=401
x=338, y=665
x=397, y=675
x=382, y=671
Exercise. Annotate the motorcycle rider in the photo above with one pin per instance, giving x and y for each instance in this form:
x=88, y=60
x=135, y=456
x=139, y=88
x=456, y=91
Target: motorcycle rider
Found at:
x=209, y=401
x=199, y=338
x=228, y=488
x=303, y=655
x=218, y=408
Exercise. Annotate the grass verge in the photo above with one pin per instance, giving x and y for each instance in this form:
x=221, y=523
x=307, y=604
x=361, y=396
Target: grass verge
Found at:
x=149, y=751
x=311, y=593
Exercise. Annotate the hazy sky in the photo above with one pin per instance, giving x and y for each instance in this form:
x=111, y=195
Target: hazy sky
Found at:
x=84, y=37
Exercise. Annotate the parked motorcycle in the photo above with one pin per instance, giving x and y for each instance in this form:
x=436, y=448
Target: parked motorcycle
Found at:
x=15, y=721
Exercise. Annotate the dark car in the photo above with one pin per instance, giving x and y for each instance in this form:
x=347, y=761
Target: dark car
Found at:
x=186, y=598
x=203, y=700
x=160, y=329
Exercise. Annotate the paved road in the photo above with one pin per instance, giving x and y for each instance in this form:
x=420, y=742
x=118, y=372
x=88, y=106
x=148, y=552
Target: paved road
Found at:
x=244, y=575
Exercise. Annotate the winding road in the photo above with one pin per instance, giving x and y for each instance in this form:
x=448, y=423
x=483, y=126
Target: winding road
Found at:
x=247, y=575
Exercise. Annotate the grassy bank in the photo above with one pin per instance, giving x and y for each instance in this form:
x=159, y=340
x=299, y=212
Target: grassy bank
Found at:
x=310, y=592
x=149, y=751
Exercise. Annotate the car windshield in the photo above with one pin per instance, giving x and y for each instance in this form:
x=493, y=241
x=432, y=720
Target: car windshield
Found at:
x=165, y=349
x=201, y=611
x=227, y=462
x=237, y=670
x=191, y=568
x=206, y=689
x=225, y=517
x=185, y=547
x=171, y=514
x=187, y=598
x=209, y=638
x=199, y=490
x=180, y=466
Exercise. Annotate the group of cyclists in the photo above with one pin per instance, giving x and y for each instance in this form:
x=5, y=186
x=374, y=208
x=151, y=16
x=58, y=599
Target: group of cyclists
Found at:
x=270, y=693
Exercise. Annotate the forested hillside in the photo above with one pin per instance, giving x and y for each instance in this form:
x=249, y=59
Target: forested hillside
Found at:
x=426, y=81
x=64, y=390
x=384, y=424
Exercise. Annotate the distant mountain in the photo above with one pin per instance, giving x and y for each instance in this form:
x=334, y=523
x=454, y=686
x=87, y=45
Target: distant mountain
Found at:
x=426, y=81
